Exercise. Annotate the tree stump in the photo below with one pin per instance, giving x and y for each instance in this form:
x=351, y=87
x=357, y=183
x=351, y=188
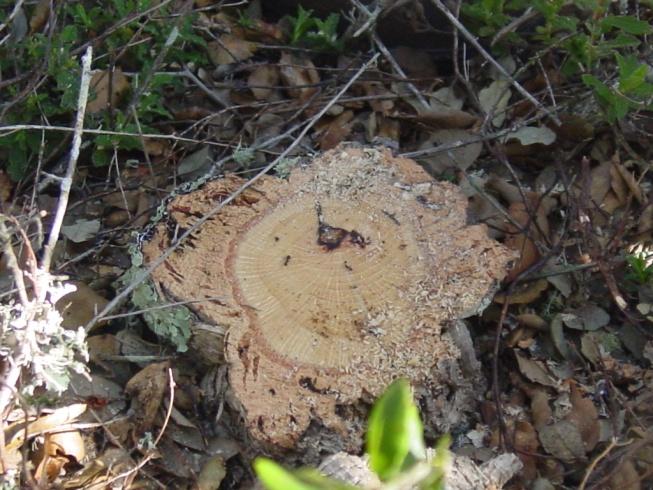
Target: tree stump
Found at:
x=332, y=284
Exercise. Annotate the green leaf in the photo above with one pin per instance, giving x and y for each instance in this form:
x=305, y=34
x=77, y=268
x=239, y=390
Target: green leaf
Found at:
x=601, y=90
x=626, y=23
x=275, y=477
x=621, y=40
x=632, y=74
x=394, y=435
x=69, y=34
x=300, y=24
x=634, y=80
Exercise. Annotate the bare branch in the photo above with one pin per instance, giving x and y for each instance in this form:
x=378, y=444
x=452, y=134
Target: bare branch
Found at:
x=67, y=180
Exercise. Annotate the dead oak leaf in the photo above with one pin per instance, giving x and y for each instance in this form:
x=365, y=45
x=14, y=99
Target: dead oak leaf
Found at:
x=109, y=88
x=563, y=440
x=230, y=49
x=147, y=389
x=584, y=416
x=263, y=80
x=299, y=75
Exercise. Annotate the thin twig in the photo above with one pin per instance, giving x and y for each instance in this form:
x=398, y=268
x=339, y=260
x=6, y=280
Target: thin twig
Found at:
x=391, y=59
x=595, y=461
x=463, y=30
x=514, y=24
x=159, y=260
x=12, y=262
x=480, y=138
x=19, y=127
x=67, y=180
x=210, y=93
x=162, y=307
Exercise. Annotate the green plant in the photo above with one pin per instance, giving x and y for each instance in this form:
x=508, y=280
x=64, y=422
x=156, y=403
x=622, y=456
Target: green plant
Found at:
x=53, y=57
x=394, y=444
x=318, y=34
x=591, y=41
x=640, y=268
x=632, y=91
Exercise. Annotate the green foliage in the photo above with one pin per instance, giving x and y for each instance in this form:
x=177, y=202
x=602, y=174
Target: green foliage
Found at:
x=395, y=447
x=315, y=33
x=631, y=92
x=54, y=99
x=170, y=323
x=394, y=434
x=275, y=477
x=590, y=39
x=640, y=268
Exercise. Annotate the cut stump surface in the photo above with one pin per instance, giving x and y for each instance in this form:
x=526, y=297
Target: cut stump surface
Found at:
x=332, y=284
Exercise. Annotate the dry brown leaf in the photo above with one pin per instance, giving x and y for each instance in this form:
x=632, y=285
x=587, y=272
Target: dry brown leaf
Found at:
x=230, y=49
x=563, y=440
x=645, y=225
x=573, y=128
x=96, y=472
x=519, y=242
x=57, y=450
x=299, y=75
x=103, y=347
x=6, y=187
x=531, y=320
x=127, y=200
x=452, y=119
x=526, y=444
x=416, y=63
x=625, y=477
x=39, y=16
x=618, y=185
x=535, y=371
x=524, y=293
x=179, y=462
x=263, y=80
x=388, y=129
x=156, y=147
x=61, y=416
x=585, y=416
x=600, y=182
x=521, y=337
x=611, y=202
x=335, y=131
x=629, y=180
x=143, y=210
x=522, y=216
x=107, y=86
x=461, y=158
x=377, y=89
x=259, y=31
x=147, y=389
x=79, y=307
x=541, y=411
x=116, y=218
